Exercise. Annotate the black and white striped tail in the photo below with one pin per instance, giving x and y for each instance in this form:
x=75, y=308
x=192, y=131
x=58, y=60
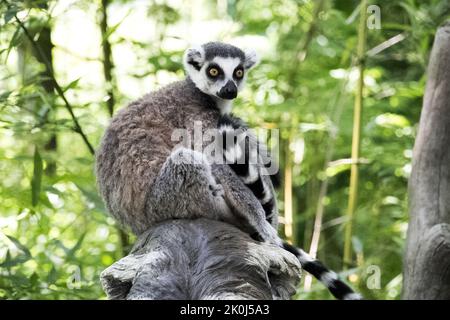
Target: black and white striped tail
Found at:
x=329, y=278
x=237, y=156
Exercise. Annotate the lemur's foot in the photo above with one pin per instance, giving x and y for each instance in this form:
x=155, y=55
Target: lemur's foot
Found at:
x=216, y=190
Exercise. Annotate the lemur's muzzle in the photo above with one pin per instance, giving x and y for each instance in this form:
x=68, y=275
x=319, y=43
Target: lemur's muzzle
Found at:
x=228, y=91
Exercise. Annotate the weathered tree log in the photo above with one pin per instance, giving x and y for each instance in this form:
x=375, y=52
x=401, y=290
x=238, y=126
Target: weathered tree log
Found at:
x=201, y=259
x=427, y=257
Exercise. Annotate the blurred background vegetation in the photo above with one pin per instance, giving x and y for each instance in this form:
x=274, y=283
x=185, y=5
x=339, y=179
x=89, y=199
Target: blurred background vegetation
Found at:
x=67, y=66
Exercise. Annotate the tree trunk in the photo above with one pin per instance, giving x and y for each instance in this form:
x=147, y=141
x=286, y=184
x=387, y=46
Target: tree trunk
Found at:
x=108, y=64
x=427, y=257
x=201, y=259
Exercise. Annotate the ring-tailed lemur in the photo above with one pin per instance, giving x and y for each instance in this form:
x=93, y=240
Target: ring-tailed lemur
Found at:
x=145, y=177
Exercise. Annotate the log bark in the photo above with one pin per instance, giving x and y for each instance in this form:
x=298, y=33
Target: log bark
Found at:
x=201, y=259
x=427, y=256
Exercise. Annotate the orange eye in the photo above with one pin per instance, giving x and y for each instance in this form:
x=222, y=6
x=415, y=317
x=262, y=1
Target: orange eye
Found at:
x=239, y=73
x=213, y=72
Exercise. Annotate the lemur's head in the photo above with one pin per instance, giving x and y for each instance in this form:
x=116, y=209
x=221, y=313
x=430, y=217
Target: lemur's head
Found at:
x=218, y=69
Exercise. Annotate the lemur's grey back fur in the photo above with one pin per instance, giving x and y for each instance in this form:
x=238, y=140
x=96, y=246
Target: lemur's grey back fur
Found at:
x=137, y=144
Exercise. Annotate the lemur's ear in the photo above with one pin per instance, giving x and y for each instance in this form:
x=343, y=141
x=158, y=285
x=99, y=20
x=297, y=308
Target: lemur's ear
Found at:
x=251, y=59
x=194, y=57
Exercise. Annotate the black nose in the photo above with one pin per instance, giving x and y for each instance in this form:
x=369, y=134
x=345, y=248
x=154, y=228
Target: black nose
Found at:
x=228, y=91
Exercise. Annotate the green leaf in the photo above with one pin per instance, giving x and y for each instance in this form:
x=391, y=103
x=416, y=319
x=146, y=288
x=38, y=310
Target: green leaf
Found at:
x=59, y=244
x=5, y=95
x=71, y=85
x=20, y=259
x=19, y=246
x=10, y=13
x=52, y=275
x=114, y=28
x=54, y=190
x=77, y=246
x=34, y=279
x=15, y=40
x=391, y=120
x=7, y=262
x=37, y=178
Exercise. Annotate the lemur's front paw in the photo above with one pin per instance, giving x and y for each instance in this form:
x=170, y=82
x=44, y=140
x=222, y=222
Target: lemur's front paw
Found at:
x=216, y=190
x=235, y=143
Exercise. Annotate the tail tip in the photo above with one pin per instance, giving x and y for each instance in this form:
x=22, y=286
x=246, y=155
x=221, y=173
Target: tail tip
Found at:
x=352, y=296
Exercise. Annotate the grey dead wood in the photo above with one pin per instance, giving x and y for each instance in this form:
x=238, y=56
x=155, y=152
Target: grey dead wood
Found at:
x=427, y=257
x=201, y=259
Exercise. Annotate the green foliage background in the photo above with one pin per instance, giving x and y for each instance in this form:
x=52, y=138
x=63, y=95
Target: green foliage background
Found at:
x=56, y=236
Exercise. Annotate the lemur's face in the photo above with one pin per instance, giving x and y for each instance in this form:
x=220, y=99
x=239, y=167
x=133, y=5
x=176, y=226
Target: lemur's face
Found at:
x=218, y=69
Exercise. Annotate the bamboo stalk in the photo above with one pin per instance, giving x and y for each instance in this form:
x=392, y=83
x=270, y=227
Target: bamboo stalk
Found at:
x=108, y=64
x=288, y=212
x=356, y=136
x=44, y=41
x=320, y=209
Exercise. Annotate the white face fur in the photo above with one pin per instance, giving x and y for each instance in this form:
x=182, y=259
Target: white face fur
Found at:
x=220, y=77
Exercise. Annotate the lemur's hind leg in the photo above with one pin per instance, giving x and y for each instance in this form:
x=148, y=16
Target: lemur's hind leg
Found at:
x=186, y=188
x=244, y=204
